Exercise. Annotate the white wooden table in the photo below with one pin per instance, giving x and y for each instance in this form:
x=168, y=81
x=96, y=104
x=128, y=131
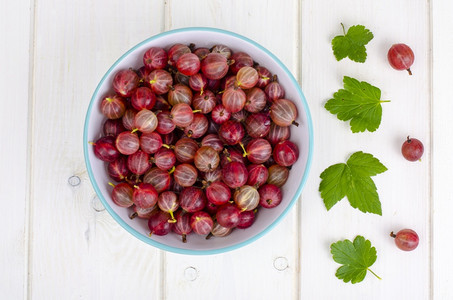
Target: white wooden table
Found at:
x=59, y=243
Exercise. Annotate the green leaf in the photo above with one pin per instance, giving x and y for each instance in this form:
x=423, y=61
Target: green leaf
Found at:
x=365, y=164
x=362, y=89
x=353, y=180
x=352, y=44
x=359, y=102
x=356, y=258
x=363, y=188
x=331, y=191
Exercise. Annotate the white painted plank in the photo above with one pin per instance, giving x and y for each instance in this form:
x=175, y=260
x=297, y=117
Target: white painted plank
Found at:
x=442, y=143
x=405, y=189
x=249, y=272
x=14, y=84
x=77, y=252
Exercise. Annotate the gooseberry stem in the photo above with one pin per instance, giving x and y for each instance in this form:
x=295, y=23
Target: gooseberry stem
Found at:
x=172, y=220
x=171, y=170
x=245, y=152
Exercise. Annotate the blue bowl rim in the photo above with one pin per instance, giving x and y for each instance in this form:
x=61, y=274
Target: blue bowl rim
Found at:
x=188, y=251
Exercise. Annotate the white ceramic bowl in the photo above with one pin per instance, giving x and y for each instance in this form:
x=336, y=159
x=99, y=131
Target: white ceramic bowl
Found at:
x=266, y=218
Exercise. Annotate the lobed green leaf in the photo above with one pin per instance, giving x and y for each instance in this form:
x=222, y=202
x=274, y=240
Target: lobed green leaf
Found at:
x=356, y=257
x=358, y=102
x=352, y=44
x=353, y=180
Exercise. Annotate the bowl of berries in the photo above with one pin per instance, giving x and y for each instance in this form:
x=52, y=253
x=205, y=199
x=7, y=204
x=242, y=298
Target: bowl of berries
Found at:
x=198, y=141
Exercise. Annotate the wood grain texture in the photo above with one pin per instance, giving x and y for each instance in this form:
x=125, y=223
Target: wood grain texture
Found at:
x=77, y=252
x=14, y=84
x=404, y=189
x=442, y=137
x=249, y=272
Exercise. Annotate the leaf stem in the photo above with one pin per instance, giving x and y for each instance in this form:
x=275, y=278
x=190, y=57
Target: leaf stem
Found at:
x=344, y=32
x=375, y=274
x=382, y=101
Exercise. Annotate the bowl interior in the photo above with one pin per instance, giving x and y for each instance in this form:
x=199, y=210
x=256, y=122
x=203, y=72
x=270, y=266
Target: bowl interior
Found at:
x=266, y=218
